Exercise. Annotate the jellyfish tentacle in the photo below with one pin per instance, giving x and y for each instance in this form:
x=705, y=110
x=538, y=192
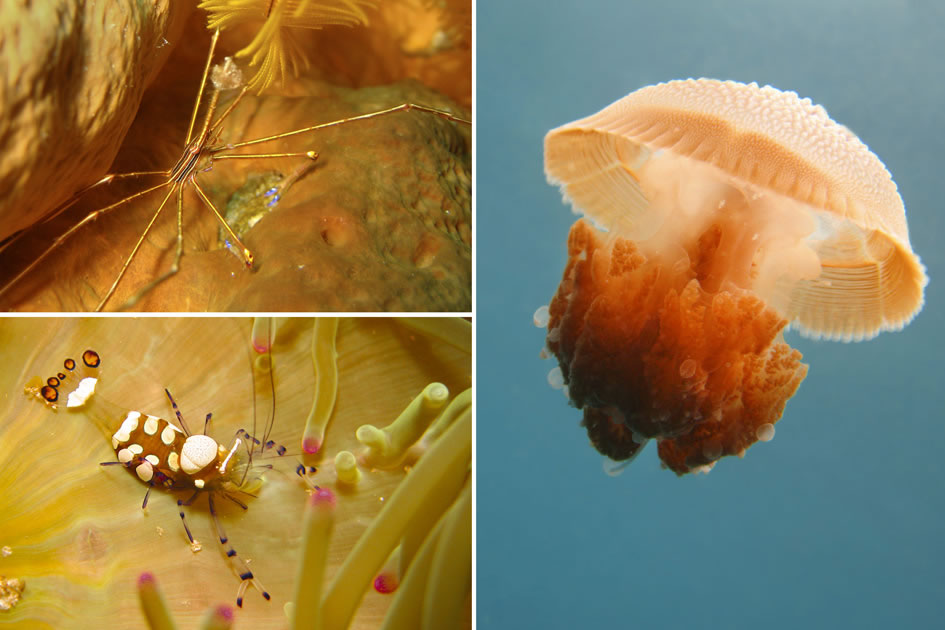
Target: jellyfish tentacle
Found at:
x=699, y=372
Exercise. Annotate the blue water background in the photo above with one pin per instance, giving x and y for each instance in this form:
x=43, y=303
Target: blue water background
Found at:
x=836, y=523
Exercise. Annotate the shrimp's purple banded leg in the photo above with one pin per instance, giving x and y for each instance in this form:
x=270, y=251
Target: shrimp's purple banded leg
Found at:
x=245, y=574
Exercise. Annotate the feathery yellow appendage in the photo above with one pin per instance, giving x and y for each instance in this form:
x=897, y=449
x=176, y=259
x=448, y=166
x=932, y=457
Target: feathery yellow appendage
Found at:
x=275, y=48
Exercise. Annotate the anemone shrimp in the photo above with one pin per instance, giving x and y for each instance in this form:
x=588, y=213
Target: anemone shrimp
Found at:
x=76, y=527
x=169, y=455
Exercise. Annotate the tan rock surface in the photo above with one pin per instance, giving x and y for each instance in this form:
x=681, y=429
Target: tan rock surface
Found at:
x=71, y=76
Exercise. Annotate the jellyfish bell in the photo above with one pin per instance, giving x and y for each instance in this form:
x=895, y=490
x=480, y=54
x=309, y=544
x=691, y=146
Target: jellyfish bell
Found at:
x=716, y=214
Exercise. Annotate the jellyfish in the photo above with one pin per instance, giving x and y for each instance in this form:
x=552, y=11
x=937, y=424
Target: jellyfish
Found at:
x=715, y=215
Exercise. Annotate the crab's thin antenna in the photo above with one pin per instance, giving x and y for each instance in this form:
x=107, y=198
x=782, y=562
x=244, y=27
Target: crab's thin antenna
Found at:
x=203, y=82
x=88, y=219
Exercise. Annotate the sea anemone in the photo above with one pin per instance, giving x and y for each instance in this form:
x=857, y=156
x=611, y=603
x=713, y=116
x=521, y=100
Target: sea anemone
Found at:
x=74, y=73
x=74, y=532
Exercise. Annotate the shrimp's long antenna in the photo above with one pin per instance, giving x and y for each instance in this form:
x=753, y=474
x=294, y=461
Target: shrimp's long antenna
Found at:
x=252, y=440
x=271, y=418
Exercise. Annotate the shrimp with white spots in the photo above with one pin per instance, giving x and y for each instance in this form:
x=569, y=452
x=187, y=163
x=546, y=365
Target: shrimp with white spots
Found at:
x=171, y=457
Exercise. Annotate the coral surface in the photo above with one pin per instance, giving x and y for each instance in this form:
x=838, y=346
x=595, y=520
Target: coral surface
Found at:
x=73, y=75
x=646, y=352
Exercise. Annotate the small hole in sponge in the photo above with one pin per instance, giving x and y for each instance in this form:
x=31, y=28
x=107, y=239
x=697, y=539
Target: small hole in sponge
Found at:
x=336, y=231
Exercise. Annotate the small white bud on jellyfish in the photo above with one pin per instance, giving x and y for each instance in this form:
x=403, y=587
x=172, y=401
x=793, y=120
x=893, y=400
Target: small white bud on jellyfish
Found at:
x=556, y=378
x=765, y=432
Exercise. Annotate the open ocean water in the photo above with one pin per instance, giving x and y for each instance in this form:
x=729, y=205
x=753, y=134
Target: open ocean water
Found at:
x=836, y=523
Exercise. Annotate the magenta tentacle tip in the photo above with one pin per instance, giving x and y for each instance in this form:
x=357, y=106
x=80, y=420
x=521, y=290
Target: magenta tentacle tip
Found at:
x=311, y=445
x=146, y=579
x=223, y=613
x=385, y=583
x=261, y=346
x=323, y=496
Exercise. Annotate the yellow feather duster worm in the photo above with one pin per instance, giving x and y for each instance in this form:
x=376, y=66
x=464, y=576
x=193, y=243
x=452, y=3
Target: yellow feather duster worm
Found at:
x=276, y=47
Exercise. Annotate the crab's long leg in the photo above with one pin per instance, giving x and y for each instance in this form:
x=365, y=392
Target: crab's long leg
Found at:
x=105, y=180
x=124, y=267
x=229, y=108
x=175, y=266
x=247, y=255
x=88, y=219
x=203, y=82
x=55, y=212
x=189, y=160
x=242, y=156
x=399, y=108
